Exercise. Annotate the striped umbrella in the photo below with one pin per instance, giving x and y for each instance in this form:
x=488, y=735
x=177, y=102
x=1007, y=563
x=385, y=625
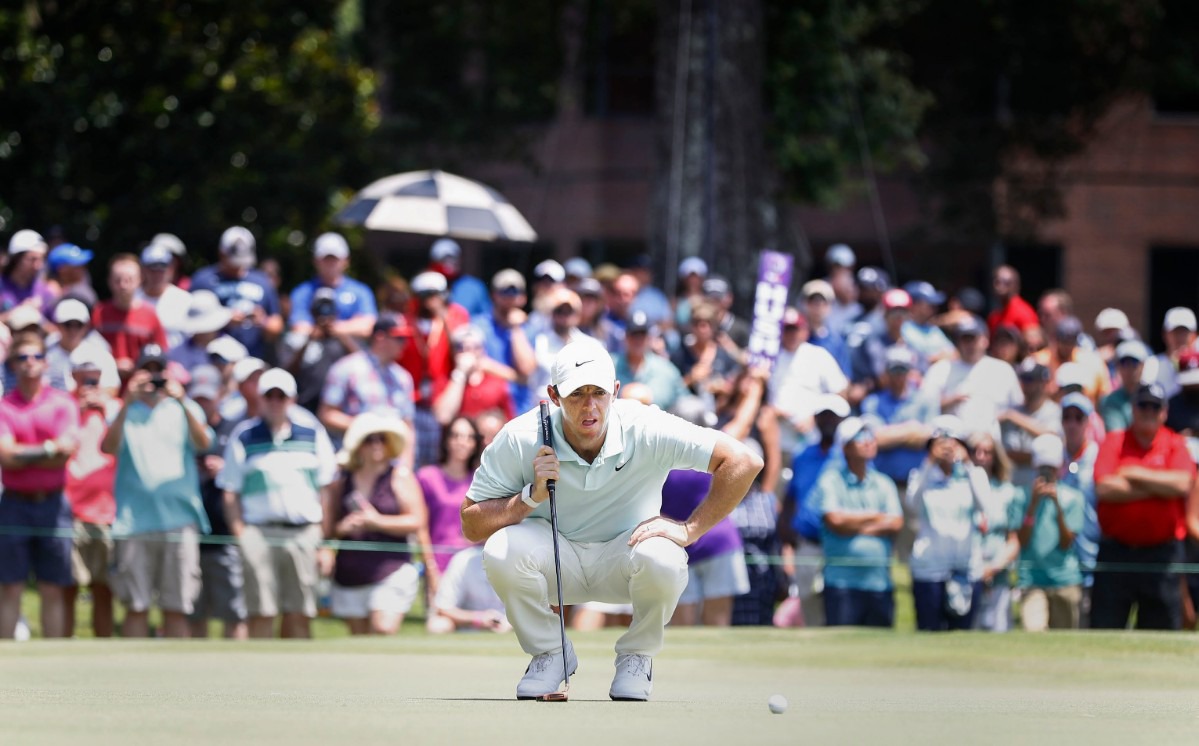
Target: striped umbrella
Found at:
x=438, y=204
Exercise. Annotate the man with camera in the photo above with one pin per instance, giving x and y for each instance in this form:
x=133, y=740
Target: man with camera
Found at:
x=310, y=351
x=160, y=514
x=354, y=307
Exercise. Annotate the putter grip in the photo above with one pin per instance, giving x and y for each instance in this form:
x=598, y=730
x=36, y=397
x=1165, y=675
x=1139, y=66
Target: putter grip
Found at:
x=547, y=438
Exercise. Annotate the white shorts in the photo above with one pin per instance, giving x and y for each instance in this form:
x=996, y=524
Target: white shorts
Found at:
x=393, y=594
x=716, y=577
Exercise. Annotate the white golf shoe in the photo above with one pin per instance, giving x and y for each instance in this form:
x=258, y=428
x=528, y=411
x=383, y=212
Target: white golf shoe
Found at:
x=544, y=674
x=634, y=678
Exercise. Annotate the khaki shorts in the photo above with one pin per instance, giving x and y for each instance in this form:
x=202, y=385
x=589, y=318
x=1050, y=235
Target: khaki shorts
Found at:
x=1051, y=608
x=165, y=564
x=280, y=569
x=91, y=553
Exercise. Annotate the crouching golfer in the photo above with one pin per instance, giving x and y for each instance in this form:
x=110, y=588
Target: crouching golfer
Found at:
x=610, y=459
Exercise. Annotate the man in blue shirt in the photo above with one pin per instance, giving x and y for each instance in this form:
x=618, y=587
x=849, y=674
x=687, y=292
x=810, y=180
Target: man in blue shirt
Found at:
x=504, y=336
x=800, y=520
x=899, y=416
x=818, y=297
x=247, y=292
x=354, y=303
x=861, y=513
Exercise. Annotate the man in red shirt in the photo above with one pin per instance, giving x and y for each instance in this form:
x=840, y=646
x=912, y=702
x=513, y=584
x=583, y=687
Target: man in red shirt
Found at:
x=1013, y=310
x=38, y=432
x=129, y=324
x=1142, y=478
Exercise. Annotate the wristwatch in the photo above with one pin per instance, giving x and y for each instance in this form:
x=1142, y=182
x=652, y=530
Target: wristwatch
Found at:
x=526, y=496
x=51, y=448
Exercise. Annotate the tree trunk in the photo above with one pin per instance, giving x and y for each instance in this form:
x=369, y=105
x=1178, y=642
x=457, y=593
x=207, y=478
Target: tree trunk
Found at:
x=715, y=194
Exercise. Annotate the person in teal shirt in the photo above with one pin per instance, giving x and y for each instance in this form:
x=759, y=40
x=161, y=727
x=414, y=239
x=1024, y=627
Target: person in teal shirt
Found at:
x=1116, y=407
x=1049, y=570
x=640, y=364
x=860, y=515
x=999, y=543
x=160, y=513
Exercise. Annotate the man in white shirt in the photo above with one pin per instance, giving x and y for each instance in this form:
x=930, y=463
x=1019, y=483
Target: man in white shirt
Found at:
x=802, y=374
x=615, y=456
x=975, y=387
x=170, y=302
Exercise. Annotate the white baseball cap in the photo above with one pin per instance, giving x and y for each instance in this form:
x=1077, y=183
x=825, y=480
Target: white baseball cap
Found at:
x=25, y=316
x=1111, y=318
x=1070, y=374
x=90, y=357
x=26, y=240
x=550, y=269
x=71, y=309
x=247, y=367
x=1047, y=450
x=834, y=403
x=227, y=348
x=239, y=245
x=277, y=378
x=330, y=244
x=693, y=265
x=848, y=431
x=1179, y=316
x=445, y=248
x=429, y=282
x=584, y=362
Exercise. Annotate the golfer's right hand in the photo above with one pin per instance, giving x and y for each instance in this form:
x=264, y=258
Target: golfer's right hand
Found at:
x=545, y=467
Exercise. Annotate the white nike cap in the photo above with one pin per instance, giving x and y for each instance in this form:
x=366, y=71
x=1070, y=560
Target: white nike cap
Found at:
x=584, y=362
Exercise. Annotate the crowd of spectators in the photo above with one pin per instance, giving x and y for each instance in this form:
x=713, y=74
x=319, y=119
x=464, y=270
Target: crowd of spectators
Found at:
x=209, y=446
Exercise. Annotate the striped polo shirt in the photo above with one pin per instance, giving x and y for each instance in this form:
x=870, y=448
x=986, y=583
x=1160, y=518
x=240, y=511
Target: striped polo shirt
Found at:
x=279, y=476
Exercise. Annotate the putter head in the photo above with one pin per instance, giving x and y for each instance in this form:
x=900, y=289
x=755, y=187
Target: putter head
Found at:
x=553, y=697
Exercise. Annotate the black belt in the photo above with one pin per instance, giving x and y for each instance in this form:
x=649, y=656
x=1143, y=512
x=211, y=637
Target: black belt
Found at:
x=31, y=497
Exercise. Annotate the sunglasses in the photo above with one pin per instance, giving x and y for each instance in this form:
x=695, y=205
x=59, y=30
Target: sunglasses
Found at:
x=1073, y=417
x=565, y=310
x=26, y=357
x=274, y=394
x=511, y=291
x=1149, y=406
x=72, y=325
x=375, y=438
x=89, y=382
x=1129, y=361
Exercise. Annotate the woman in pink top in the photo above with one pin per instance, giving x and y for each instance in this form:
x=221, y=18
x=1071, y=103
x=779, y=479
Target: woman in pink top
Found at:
x=444, y=485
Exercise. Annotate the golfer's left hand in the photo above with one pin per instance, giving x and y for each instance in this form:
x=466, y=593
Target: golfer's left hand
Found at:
x=659, y=526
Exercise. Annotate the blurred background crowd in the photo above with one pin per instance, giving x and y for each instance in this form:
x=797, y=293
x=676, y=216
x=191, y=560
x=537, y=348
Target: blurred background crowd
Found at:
x=210, y=444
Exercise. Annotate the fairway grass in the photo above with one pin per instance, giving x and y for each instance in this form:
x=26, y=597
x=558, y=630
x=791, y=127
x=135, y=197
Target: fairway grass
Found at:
x=711, y=687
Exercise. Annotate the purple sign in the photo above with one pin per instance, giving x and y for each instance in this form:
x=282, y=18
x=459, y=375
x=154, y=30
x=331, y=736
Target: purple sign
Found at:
x=770, y=300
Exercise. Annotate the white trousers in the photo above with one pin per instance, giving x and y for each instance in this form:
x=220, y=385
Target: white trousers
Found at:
x=520, y=565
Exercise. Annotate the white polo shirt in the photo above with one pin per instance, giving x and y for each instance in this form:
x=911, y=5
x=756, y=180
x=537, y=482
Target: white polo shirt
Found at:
x=620, y=489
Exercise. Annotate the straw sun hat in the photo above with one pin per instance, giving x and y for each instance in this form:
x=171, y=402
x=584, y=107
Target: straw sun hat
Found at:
x=368, y=423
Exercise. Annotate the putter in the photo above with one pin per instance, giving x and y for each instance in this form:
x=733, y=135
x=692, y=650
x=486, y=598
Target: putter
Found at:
x=547, y=438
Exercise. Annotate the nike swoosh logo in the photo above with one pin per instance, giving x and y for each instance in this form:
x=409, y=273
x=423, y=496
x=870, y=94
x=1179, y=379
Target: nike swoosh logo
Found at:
x=584, y=363
x=626, y=463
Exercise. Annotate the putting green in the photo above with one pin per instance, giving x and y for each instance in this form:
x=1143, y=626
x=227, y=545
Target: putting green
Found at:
x=711, y=687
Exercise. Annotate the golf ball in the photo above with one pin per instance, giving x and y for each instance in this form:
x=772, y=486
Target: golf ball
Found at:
x=777, y=704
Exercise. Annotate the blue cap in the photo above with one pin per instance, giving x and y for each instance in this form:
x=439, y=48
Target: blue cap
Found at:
x=68, y=255
x=921, y=290
x=1079, y=401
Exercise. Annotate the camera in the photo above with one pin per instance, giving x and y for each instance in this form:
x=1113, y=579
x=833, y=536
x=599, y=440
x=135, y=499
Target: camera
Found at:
x=324, y=307
x=158, y=382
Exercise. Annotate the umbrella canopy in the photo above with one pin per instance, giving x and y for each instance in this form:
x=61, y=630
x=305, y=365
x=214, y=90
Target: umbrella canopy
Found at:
x=437, y=204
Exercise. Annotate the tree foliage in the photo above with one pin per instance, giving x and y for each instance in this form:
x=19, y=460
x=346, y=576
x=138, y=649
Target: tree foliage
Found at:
x=126, y=118
x=832, y=91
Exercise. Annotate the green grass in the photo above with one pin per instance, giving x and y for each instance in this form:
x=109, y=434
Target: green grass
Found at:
x=711, y=686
